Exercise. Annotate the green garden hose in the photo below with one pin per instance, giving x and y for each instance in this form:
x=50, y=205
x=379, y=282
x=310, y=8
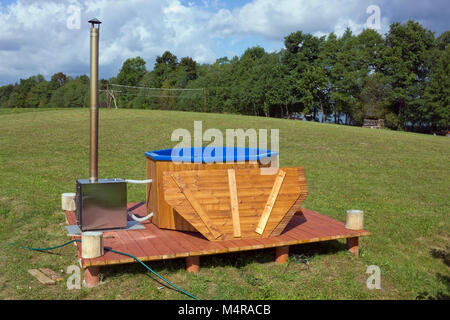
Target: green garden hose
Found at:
x=44, y=249
x=118, y=252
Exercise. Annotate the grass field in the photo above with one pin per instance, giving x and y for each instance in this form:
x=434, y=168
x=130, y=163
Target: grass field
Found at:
x=401, y=181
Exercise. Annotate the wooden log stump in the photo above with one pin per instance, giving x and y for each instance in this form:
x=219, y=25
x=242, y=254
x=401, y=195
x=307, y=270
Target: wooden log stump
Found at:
x=355, y=220
x=68, y=201
x=352, y=245
x=91, y=244
x=281, y=254
x=193, y=264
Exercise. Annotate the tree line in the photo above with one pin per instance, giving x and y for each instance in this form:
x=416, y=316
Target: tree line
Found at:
x=401, y=77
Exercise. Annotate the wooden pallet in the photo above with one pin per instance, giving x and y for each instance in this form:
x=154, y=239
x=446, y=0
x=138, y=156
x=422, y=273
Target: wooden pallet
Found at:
x=236, y=203
x=154, y=243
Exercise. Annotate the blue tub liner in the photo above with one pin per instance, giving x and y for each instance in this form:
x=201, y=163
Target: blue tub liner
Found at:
x=210, y=154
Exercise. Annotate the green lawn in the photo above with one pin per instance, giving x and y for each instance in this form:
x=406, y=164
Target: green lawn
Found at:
x=400, y=180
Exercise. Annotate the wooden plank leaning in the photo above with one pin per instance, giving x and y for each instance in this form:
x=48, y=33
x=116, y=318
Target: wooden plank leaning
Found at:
x=270, y=202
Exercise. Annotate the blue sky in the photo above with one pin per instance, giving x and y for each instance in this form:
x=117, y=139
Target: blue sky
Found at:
x=42, y=36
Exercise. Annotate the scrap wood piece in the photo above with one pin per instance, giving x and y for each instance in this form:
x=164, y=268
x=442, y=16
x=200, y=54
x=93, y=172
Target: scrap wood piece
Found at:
x=41, y=277
x=196, y=205
x=234, y=203
x=52, y=274
x=270, y=202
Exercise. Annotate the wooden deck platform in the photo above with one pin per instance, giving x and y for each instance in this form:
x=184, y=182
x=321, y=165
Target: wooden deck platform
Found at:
x=158, y=244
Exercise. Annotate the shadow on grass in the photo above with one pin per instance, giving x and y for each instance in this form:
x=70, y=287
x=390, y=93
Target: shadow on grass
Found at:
x=298, y=254
x=319, y=248
x=244, y=258
x=444, y=255
x=233, y=259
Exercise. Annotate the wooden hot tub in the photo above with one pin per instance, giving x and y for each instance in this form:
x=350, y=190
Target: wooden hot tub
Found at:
x=181, y=159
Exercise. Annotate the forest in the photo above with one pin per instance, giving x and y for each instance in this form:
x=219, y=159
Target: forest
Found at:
x=401, y=77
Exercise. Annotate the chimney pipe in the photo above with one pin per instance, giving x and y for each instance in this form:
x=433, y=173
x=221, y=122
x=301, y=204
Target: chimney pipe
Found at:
x=93, y=168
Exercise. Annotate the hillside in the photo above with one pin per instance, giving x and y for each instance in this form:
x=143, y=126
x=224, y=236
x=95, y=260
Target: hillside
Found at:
x=401, y=181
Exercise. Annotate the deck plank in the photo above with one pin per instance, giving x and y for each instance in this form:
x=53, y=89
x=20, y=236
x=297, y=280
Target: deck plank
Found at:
x=135, y=247
x=152, y=243
x=147, y=241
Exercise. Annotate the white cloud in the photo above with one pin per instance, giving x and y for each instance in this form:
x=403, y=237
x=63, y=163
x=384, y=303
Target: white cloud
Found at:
x=276, y=19
x=34, y=37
